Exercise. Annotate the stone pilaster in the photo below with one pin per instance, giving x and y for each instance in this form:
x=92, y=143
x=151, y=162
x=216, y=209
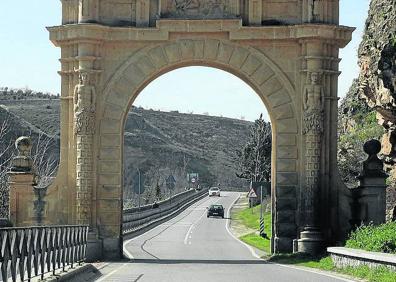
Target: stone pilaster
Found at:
x=84, y=181
x=255, y=14
x=313, y=98
x=88, y=11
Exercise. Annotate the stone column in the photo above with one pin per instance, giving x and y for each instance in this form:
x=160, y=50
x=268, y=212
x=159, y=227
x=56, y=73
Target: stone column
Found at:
x=313, y=97
x=84, y=116
x=311, y=240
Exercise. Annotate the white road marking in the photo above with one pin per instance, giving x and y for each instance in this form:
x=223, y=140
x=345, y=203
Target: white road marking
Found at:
x=191, y=228
x=111, y=273
x=128, y=255
x=187, y=234
x=232, y=235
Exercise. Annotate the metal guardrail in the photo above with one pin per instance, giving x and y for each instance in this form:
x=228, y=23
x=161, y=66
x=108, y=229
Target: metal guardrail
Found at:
x=28, y=252
x=135, y=217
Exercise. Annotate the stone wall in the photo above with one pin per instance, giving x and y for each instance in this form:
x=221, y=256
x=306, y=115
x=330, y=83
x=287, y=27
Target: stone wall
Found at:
x=345, y=257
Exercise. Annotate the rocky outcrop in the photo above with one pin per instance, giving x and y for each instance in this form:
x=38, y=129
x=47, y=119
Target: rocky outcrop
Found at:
x=377, y=79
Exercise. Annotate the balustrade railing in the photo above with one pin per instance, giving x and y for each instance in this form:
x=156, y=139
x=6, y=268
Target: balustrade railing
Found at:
x=28, y=252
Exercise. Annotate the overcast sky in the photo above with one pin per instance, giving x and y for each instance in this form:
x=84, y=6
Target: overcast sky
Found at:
x=28, y=59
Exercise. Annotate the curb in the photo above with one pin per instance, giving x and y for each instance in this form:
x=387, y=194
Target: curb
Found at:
x=75, y=274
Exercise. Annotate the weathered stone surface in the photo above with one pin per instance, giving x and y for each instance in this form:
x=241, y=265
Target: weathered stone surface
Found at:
x=285, y=191
x=286, y=204
x=287, y=229
x=247, y=48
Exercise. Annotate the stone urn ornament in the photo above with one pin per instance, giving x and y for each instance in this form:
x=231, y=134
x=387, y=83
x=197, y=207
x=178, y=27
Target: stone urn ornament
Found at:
x=23, y=161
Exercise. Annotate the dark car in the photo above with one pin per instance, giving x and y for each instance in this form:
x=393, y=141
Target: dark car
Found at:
x=215, y=210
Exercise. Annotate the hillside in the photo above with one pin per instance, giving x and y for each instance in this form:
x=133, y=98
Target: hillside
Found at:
x=157, y=143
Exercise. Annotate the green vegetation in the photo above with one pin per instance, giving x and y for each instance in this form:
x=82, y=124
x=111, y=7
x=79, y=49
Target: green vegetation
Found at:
x=251, y=218
x=380, y=238
x=382, y=274
x=371, y=238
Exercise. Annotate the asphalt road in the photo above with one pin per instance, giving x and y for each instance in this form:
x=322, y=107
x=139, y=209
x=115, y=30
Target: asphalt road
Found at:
x=192, y=247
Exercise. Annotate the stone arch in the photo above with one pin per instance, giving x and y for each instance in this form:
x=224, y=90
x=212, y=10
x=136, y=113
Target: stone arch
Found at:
x=247, y=63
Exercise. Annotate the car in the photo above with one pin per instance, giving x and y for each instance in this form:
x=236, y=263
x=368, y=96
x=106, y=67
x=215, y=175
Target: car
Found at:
x=215, y=210
x=214, y=191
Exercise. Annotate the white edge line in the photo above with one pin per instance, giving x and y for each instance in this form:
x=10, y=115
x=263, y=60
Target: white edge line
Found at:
x=233, y=236
x=316, y=271
x=253, y=252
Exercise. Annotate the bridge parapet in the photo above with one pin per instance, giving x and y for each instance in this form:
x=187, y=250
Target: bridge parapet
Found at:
x=28, y=252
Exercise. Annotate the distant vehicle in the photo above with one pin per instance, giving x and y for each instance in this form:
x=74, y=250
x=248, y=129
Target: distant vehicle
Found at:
x=214, y=191
x=217, y=210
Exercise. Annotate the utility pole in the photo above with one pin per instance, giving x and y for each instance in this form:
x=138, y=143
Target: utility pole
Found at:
x=139, y=189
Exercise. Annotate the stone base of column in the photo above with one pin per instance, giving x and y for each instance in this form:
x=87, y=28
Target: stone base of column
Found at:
x=311, y=241
x=112, y=248
x=94, y=248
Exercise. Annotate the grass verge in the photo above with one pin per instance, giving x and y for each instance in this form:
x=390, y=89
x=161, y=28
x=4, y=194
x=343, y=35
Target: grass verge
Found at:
x=251, y=218
x=380, y=274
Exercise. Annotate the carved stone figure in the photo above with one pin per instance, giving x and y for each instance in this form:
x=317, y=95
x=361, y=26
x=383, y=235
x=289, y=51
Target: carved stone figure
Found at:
x=313, y=103
x=84, y=106
x=200, y=8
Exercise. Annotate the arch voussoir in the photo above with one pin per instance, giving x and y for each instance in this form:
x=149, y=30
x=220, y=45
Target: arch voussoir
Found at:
x=211, y=50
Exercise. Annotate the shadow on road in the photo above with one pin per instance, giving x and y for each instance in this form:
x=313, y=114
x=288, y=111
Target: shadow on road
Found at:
x=196, y=261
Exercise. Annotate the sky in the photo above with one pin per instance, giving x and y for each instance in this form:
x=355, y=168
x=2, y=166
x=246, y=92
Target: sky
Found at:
x=28, y=59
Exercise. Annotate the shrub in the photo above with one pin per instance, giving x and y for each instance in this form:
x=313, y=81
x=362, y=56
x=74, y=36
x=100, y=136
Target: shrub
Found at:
x=381, y=238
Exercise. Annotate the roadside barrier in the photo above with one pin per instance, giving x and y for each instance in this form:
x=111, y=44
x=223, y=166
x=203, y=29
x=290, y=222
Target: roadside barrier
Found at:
x=28, y=252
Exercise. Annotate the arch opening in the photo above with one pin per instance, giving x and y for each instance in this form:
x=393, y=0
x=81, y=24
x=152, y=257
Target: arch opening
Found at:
x=198, y=149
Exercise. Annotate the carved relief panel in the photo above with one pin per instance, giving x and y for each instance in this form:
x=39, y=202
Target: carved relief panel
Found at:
x=200, y=9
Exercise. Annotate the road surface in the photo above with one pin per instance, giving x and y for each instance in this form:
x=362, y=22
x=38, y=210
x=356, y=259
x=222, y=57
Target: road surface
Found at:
x=192, y=247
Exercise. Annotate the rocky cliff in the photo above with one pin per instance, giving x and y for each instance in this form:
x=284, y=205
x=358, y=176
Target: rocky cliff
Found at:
x=377, y=79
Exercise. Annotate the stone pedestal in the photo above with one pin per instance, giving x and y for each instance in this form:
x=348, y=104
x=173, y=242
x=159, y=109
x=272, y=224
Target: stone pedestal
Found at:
x=94, y=248
x=311, y=241
x=21, y=198
x=369, y=199
x=22, y=182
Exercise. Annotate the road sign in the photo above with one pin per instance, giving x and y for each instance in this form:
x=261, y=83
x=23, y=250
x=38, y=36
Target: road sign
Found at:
x=193, y=180
x=252, y=193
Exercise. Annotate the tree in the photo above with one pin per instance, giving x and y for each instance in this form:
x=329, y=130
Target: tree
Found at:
x=255, y=158
x=5, y=157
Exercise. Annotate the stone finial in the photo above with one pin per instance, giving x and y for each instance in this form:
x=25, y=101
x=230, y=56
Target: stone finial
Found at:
x=23, y=161
x=24, y=146
x=373, y=166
